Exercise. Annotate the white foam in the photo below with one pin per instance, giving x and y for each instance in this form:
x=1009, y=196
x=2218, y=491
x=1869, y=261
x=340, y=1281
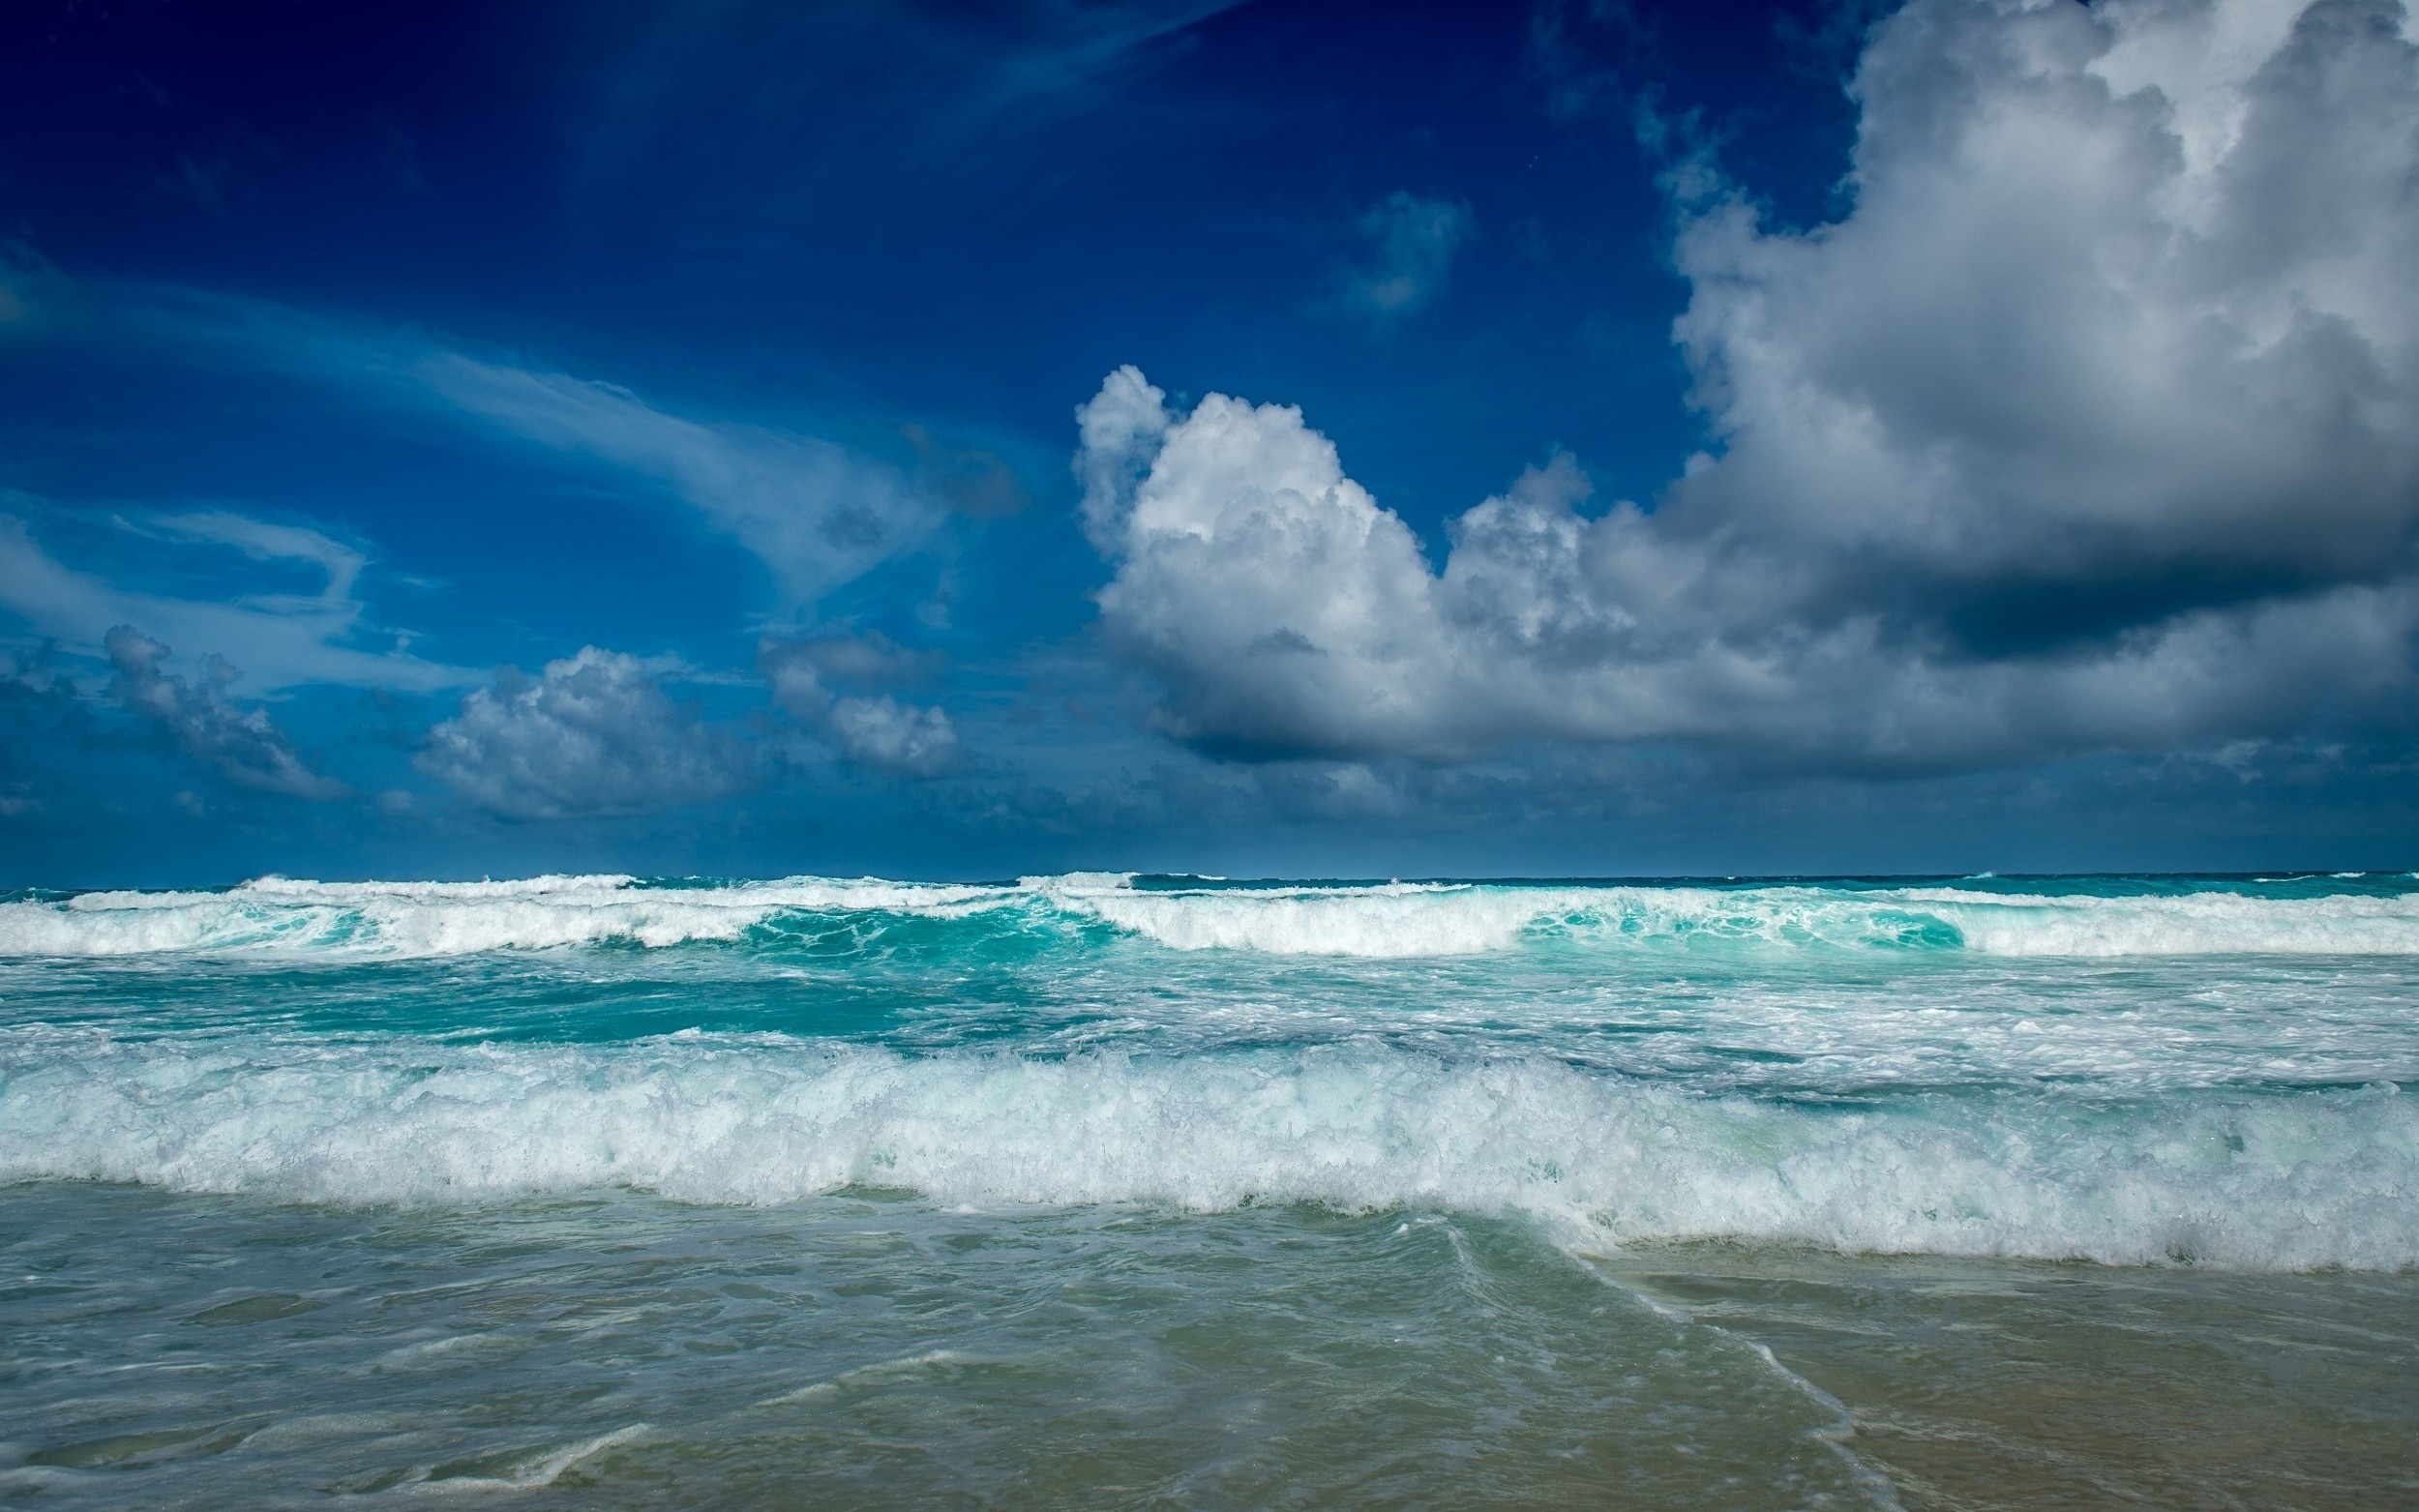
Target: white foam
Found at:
x=1395, y=920
x=407, y=919
x=536, y=1470
x=2192, y=924
x=2285, y=1181
x=1080, y=882
x=1399, y=920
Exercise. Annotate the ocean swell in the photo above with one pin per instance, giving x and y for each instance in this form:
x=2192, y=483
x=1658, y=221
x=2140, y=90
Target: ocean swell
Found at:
x=417, y=919
x=383, y=920
x=2282, y=1181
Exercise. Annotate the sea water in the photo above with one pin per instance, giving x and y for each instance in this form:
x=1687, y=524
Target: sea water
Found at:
x=1105, y=1190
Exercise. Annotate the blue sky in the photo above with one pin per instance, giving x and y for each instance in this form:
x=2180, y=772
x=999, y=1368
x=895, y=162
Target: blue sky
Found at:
x=1267, y=438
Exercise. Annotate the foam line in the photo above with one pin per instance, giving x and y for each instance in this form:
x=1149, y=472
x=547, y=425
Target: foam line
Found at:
x=418, y=919
x=2276, y=1181
x=279, y=916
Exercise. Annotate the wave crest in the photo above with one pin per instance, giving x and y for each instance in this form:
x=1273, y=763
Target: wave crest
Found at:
x=2310, y=1179
x=1395, y=920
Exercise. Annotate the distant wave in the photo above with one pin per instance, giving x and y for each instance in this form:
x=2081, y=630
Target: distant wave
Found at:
x=419, y=919
x=2283, y=1181
x=401, y=919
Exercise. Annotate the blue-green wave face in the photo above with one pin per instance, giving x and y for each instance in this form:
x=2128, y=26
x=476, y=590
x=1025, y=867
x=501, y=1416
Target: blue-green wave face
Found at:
x=2348, y=915
x=2129, y=1069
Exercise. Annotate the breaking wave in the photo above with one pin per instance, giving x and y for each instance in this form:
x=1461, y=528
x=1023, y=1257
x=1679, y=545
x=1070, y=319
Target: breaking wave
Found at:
x=275, y=916
x=2310, y=1179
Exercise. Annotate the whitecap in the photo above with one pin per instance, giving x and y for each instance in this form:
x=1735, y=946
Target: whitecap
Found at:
x=2256, y=1182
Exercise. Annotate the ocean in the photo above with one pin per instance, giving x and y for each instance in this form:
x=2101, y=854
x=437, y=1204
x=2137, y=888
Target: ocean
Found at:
x=1162, y=1191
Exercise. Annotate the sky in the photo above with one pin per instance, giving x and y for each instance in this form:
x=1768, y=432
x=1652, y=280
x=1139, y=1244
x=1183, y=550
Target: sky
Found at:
x=1273, y=438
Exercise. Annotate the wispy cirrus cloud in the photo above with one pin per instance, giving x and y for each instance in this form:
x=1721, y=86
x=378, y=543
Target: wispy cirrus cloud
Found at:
x=818, y=512
x=280, y=640
x=592, y=735
x=268, y=540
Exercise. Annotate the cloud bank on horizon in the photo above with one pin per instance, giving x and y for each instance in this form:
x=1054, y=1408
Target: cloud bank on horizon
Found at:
x=2067, y=442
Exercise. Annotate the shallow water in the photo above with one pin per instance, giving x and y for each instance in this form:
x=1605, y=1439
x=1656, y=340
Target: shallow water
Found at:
x=1116, y=1191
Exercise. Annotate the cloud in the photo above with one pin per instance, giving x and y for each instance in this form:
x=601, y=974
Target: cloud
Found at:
x=595, y=734
x=265, y=542
x=2093, y=427
x=1416, y=240
x=284, y=640
x=816, y=512
x=244, y=745
x=900, y=739
x=1283, y=606
x=2120, y=328
x=873, y=730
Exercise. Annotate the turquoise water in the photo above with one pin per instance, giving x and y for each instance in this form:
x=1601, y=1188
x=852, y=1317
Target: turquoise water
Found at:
x=1110, y=1190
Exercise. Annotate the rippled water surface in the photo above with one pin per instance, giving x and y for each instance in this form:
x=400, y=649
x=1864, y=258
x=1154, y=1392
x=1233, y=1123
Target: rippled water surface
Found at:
x=1105, y=1190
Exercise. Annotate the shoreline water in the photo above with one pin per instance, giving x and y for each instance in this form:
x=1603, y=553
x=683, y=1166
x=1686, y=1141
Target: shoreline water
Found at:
x=880, y=1350
x=2001, y=1192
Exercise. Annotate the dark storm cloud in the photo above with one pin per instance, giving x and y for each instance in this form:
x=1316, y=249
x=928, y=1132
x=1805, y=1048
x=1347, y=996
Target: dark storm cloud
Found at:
x=2092, y=425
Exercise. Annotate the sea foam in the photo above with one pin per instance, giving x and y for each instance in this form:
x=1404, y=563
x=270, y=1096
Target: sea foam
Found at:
x=408, y=919
x=275, y=916
x=2283, y=1181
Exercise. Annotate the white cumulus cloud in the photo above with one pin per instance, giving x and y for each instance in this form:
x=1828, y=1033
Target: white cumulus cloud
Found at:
x=2092, y=425
x=816, y=512
x=872, y=730
x=593, y=734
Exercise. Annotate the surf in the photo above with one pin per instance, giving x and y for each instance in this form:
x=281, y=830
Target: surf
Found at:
x=282, y=917
x=2285, y=1181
